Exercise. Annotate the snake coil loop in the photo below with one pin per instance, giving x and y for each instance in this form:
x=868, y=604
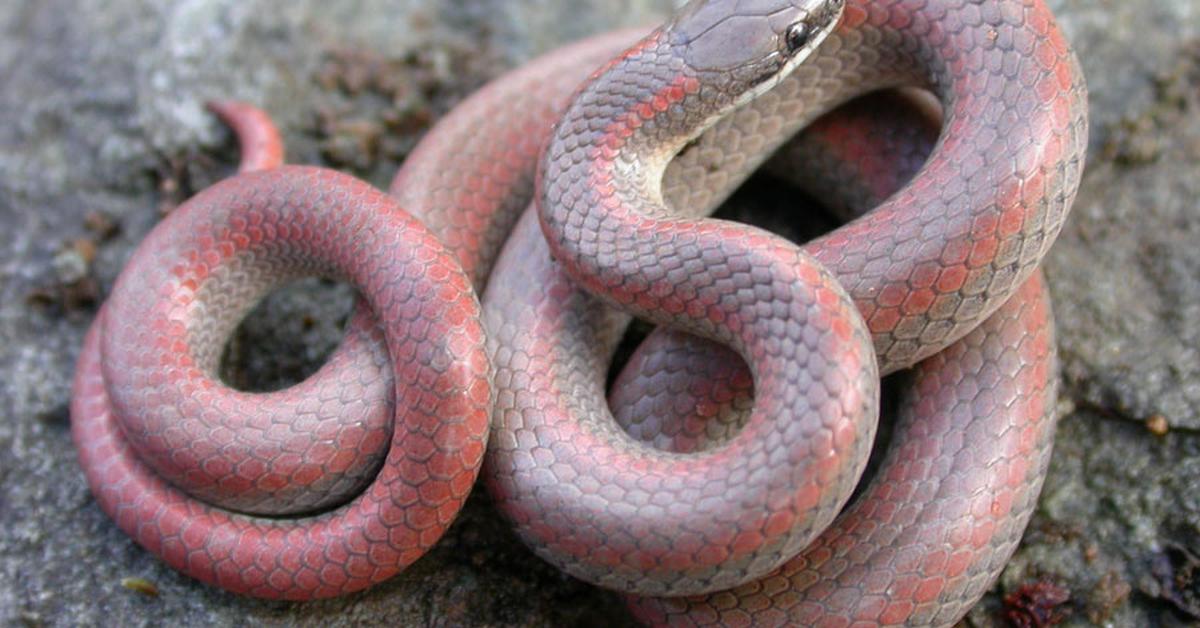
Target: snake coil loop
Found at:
x=324, y=488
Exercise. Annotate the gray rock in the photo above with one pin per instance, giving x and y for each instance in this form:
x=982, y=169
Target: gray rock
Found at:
x=102, y=103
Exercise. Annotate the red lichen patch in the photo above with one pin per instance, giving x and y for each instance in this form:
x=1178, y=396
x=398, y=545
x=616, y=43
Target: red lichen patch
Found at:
x=1036, y=604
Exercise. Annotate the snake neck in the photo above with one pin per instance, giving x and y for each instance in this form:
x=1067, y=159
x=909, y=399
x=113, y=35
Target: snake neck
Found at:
x=665, y=105
x=611, y=158
x=604, y=167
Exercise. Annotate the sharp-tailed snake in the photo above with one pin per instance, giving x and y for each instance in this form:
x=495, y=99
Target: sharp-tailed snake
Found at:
x=714, y=490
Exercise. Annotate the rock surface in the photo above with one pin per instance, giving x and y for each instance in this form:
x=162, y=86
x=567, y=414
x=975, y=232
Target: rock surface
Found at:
x=104, y=129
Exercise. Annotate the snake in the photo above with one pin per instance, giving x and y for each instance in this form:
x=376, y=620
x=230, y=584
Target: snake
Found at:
x=940, y=272
x=651, y=144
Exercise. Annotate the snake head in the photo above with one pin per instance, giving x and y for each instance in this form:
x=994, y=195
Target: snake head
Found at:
x=751, y=44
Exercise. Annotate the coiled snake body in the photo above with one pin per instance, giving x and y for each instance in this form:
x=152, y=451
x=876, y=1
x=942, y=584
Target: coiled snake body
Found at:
x=945, y=265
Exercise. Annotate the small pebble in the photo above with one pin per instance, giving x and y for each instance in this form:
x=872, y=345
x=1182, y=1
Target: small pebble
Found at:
x=70, y=266
x=1158, y=425
x=101, y=224
x=140, y=585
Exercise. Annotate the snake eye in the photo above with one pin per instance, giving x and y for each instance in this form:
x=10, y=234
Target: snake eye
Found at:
x=798, y=35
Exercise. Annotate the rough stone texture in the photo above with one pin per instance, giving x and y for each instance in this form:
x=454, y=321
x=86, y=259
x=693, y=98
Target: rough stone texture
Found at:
x=102, y=109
